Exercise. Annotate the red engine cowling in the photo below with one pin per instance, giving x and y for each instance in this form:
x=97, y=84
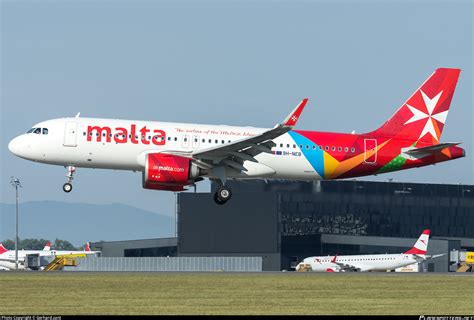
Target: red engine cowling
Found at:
x=168, y=172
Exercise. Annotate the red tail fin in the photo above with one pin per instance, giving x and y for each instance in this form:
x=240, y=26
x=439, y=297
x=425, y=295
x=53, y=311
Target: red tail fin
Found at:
x=2, y=248
x=421, y=245
x=423, y=115
x=47, y=247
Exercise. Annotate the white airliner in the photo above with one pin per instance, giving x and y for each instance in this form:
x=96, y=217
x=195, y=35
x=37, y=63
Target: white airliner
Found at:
x=7, y=257
x=372, y=262
x=86, y=251
x=172, y=156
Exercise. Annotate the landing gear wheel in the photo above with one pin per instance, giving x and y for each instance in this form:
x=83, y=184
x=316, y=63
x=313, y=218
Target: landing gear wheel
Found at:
x=223, y=194
x=216, y=200
x=67, y=187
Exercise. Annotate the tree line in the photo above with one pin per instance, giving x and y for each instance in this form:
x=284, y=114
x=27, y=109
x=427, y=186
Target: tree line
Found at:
x=38, y=244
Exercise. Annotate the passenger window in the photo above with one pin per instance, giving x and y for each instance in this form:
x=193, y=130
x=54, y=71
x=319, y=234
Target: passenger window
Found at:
x=346, y=149
x=314, y=147
x=223, y=141
x=327, y=148
x=320, y=147
x=339, y=149
x=83, y=133
x=353, y=149
x=288, y=146
x=185, y=139
x=175, y=139
x=37, y=131
x=169, y=138
x=203, y=140
x=210, y=140
x=45, y=131
x=281, y=145
x=307, y=147
x=333, y=148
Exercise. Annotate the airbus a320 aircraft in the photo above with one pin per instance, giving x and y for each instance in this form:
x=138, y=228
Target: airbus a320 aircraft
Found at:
x=172, y=156
x=372, y=262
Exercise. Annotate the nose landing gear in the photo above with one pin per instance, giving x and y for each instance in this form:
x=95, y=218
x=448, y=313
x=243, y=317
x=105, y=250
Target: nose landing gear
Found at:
x=67, y=187
x=222, y=195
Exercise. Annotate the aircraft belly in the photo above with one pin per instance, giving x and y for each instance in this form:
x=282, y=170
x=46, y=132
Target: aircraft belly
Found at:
x=290, y=166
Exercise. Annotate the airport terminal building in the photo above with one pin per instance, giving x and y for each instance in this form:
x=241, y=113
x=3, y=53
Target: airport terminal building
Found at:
x=284, y=222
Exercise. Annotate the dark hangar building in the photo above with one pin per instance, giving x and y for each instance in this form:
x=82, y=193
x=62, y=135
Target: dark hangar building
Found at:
x=285, y=222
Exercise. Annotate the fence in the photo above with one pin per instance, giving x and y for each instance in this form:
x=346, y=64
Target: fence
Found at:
x=235, y=264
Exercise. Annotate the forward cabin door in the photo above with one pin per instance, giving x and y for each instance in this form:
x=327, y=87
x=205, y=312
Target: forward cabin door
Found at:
x=70, y=134
x=370, y=145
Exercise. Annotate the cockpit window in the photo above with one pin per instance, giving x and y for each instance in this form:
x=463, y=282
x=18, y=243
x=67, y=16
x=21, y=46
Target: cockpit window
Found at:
x=31, y=130
x=37, y=131
x=45, y=130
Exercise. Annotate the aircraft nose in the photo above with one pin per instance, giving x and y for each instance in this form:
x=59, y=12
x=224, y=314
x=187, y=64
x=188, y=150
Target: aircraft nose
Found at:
x=13, y=146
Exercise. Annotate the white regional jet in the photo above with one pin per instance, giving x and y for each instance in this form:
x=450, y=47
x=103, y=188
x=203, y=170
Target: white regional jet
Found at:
x=373, y=262
x=86, y=251
x=7, y=257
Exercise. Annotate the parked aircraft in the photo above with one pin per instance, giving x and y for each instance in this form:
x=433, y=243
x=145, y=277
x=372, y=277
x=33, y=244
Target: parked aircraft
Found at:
x=369, y=262
x=172, y=156
x=7, y=257
x=86, y=251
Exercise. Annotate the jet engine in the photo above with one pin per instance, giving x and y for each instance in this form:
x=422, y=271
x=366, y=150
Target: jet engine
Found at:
x=169, y=172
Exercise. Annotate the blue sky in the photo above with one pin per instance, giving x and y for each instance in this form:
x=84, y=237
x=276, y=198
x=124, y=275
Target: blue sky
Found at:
x=237, y=63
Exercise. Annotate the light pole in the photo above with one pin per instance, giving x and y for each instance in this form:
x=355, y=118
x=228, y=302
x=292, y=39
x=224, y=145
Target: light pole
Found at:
x=15, y=182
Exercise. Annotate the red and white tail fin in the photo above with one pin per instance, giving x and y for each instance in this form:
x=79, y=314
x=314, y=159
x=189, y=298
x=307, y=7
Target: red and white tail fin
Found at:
x=88, y=248
x=421, y=245
x=422, y=117
x=47, y=247
x=2, y=248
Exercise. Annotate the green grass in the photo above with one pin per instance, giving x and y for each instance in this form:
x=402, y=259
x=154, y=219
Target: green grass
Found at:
x=234, y=293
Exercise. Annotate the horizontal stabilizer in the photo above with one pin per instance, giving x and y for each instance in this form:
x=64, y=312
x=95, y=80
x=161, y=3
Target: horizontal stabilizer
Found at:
x=431, y=149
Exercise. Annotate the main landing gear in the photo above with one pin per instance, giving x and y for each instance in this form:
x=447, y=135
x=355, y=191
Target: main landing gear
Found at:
x=67, y=187
x=222, y=195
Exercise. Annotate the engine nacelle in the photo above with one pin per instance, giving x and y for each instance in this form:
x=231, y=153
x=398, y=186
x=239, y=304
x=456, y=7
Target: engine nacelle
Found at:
x=168, y=172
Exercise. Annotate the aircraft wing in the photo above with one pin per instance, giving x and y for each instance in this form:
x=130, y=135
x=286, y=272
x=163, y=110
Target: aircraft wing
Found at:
x=234, y=153
x=351, y=268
